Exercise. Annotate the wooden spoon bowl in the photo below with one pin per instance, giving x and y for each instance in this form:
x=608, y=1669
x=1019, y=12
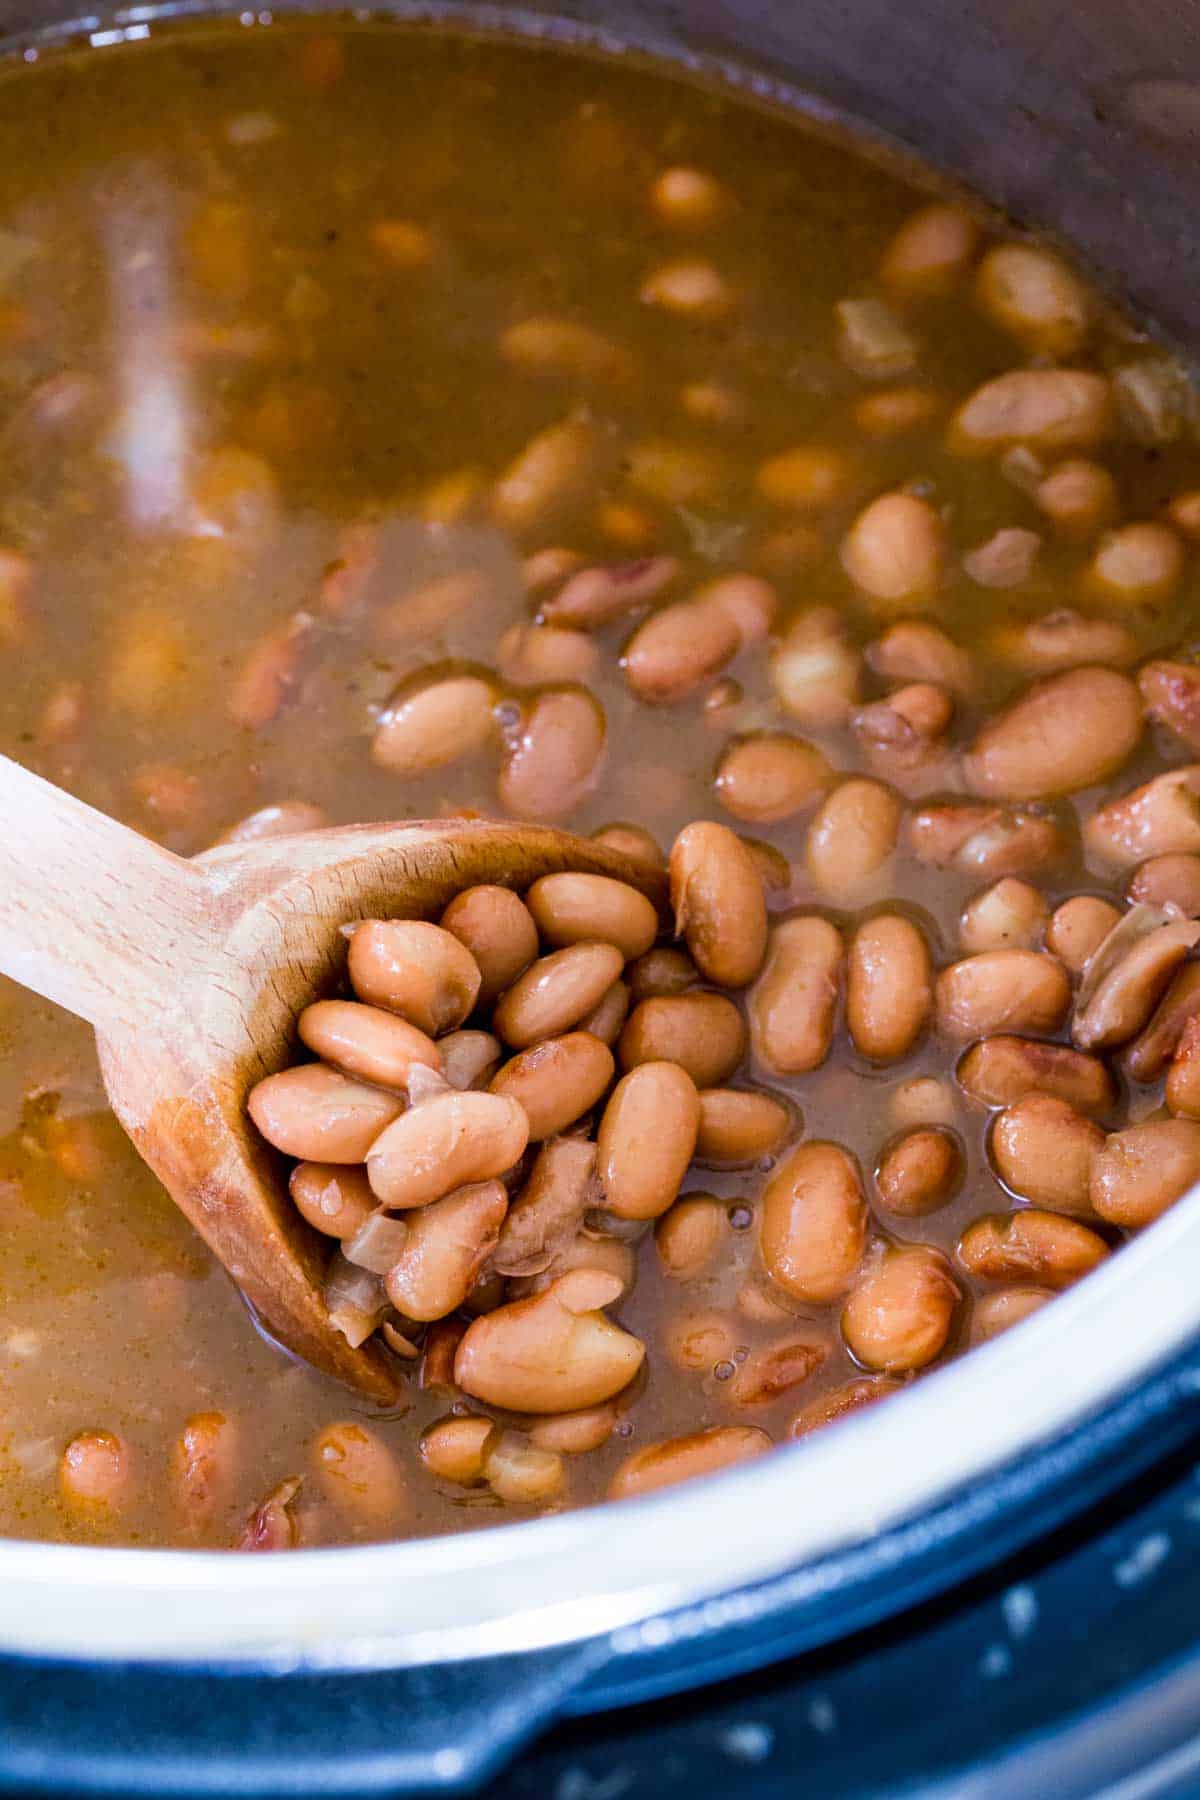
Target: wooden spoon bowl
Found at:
x=193, y=973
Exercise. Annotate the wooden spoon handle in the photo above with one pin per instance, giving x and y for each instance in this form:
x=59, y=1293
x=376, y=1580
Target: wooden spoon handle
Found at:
x=92, y=915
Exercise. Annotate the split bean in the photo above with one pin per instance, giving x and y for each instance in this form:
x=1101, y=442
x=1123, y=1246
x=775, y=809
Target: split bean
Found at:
x=1034, y=1246
x=1002, y=1070
x=361, y=1477
x=1160, y=818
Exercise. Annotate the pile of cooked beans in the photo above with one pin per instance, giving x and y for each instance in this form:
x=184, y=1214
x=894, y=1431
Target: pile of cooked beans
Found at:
x=637, y=461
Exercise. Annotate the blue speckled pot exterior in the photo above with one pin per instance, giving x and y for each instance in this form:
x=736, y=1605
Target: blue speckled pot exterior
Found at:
x=1074, y=1665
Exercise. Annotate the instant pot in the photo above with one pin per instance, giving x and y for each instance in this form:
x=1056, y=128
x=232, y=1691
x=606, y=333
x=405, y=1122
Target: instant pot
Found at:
x=989, y=1586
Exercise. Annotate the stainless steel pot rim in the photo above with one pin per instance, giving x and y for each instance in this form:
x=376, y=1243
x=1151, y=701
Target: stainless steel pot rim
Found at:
x=582, y=1574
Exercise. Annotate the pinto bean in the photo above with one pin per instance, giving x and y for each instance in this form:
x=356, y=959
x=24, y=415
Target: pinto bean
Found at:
x=985, y=841
x=285, y=818
x=1171, y=692
x=718, y=902
x=931, y=252
x=1160, y=818
x=1151, y=1052
x=454, y=1448
x=813, y=1227
x=273, y=1524
x=663, y=971
x=690, y=288
x=775, y=1369
x=367, y=1042
x=599, y=1255
x=769, y=776
x=631, y=840
x=1136, y=564
x=792, y=1004
x=415, y=969
x=675, y=474
x=646, y=1140
x=556, y=1081
x=95, y=1471
x=1002, y=1070
x=202, y=1469
x=1144, y=1169
x=889, y=986
x=607, y=1018
x=319, y=1115
x=1048, y=409
x=1034, y=296
x=689, y=1234
x=919, y=1172
x=925, y=1100
x=895, y=411
x=852, y=838
x=570, y=909
x=1077, y=929
x=447, y=1245
x=808, y=478
x=433, y=724
x=699, y=1342
x=995, y=1313
x=1062, y=640
x=840, y=1403
x=905, y=733
x=438, y=1350
x=1183, y=1077
x=552, y=1353
x=1043, y=1248
x=738, y=1126
x=596, y=595
x=898, y=1314
x=360, y=1475
x=574, y=1434
x=555, y=992
x=703, y=1033
x=913, y=650
x=498, y=931
x=469, y=1058
x=815, y=671
x=1078, y=496
x=553, y=757
x=548, y=345
x=521, y=1474
x=333, y=1199
x=1001, y=990
x=684, y=1458
x=893, y=550
x=1010, y=914
x=530, y=655
x=1167, y=881
x=548, y=477
x=1067, y=732
x=1127, y=993
x=688, y=200
x=1043, y=1150
x=682, y=647
x=447, y=1142
x=1004, y=560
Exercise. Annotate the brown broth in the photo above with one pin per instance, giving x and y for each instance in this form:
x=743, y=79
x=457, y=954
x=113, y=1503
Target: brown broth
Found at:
x=189, y=263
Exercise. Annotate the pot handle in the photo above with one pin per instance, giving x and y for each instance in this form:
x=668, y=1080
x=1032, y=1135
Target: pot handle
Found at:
x=196, y=1734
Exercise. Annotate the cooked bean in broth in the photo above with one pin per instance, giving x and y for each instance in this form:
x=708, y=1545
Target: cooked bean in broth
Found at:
x=394, y=425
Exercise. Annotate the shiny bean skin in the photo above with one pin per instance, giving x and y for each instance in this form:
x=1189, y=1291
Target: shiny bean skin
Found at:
x=1144, y=1169
x=575, y=1433
x=556, y=1081
x=447, y=1245
x=1042, y=1248
x=454, y=1448
x=333, y=1198
x=1167, y=881
x=1067, y=732
x=1019, y=991
x=554, y=757
x=1171, y=692
x=646, y=1140
x=358, y=1473
x=889, y=986
x=469, y=1058
x=689, y=1234
x=1127, y=993
x=919, y=1172
x=898, y=1314
x=531, y=655
x=1001, y=1070
x=893, y=550
x=364, y=1041
x=995, y=1313
x=415, y=969
x=793, y=1002
x=662, y=972
x=684, y=1458
x=1077, y=928
x=679, y=650
x=593, y=597
x=555, y=992
x=1152, y=1051
x=95, y=1471
x=718, y=902
x=770, y=776
x=447, y=1142
x=1010, y=915
x=203, y=1467
x=1043, y=1151
x=319, y=1115
x=841, y=1403
x=813, y=1226
x=434, y=725
x=553, y=1353
x=1047, y=409
x=1183, y=1076
x=851, y=839
x=773, y=1370
x=572, y=909
x=1160, y=818
x=704, y=1034
x=984, y=841
x=496, y=927
x=738, y=1126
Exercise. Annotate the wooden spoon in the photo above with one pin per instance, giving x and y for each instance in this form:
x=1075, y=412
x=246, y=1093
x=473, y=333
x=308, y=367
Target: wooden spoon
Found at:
x=192, y=974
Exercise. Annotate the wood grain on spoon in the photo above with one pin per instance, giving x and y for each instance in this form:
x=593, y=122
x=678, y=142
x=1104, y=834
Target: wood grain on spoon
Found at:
x=192, y=974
